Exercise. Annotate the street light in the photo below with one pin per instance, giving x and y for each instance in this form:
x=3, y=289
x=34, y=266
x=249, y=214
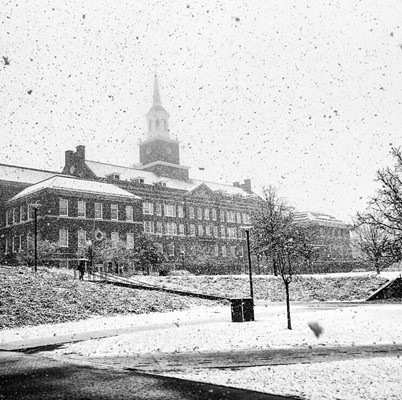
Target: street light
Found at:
x=35, y=208
x=247, y=230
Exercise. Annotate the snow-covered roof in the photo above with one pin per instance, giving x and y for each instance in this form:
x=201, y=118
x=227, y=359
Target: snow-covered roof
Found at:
x=319, y=219
x=14, y=173
x=103, y=170
x=71, y=184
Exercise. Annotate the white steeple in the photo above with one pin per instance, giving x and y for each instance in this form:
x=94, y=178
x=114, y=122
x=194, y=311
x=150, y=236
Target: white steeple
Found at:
x=157, y=117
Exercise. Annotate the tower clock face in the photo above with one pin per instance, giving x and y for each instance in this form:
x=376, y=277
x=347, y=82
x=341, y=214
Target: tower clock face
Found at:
x=168, y=150
x=149, y=150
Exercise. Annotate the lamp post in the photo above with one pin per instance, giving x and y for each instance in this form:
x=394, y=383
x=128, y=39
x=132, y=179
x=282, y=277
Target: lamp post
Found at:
x=247, y=230
x=35, y=210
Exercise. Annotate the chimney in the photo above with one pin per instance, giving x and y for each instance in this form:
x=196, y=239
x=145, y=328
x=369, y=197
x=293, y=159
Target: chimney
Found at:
x=80, y=153
x=67, y=160
x=246, y=186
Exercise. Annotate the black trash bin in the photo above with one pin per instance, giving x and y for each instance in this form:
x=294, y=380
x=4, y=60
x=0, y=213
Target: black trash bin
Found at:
x=248, y=309
x=237, y=310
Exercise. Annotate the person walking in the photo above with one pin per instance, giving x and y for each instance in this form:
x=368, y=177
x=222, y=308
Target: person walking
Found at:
x=81, y=269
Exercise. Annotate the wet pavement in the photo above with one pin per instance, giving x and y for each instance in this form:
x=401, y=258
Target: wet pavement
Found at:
x=36, y=377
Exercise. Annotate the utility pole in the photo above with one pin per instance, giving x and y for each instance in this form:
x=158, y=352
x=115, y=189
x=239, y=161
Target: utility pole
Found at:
x=36, y=237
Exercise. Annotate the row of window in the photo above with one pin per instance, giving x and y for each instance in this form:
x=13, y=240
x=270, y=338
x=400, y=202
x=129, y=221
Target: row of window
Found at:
x=82, y=210
x=24, y=213
x=82, y=238
x=17, y=244
x=173, y=229
x=171, y=210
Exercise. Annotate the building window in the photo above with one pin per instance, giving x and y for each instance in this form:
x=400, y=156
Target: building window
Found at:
x=114, y=237
x=213, y=211
x=130, y=240
x=215, y=231
x=159, y=247
x=22, y=213
x=8, y=217
x=82, y=209
x=82, y=238
x=206, y=214
x=63, y=238
x=170, y=210
x=158, y=207
x=63, y=207
x=199, y=213
x=208, y=230
x=180, y=211
x=171, y=228
x=114, y=212
x=148, y=227
x=231, y=233
x=171, y=249
x=192, y=230
x=223, y=231
x=159, y=228
x=181, y=229
x=200, y=230
x=30, y=241
x=246, y=219
x=238, y=218
x=20, y=243
x=98, y=210
x=241, y=252
x=230, y=216
x=6, y=246
x=191, y=212
x=224, y=251
x=147, y=208
x=31, y=214
x=14, y=245
x=222, y=216
x=129, y=213
x=15, y=216
x=216, y=251
x=233, y=251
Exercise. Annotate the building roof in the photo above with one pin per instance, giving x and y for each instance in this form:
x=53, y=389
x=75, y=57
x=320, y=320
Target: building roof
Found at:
x=312, y=217
x=103, y=170
x=61, y=182
x=18, y=174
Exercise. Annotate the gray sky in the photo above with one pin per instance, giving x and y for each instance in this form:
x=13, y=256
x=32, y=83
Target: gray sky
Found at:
x=303, y=95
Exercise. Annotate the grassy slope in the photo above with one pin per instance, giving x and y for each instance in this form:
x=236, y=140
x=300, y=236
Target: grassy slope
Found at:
x=29, y=298
x=303, y=288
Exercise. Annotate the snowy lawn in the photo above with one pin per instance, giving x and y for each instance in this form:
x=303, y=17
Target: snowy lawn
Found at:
x=375, y=378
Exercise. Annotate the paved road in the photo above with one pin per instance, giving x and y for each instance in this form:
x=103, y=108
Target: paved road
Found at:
x=168, y=362
x=38, y=378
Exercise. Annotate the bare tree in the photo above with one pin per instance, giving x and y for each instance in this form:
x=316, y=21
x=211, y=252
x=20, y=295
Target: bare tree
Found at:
x=376, y=246
x=280, y=238
x=380, y=232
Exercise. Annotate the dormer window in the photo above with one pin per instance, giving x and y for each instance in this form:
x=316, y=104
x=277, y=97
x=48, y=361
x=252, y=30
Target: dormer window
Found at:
x=114, y=176
x=161, y=183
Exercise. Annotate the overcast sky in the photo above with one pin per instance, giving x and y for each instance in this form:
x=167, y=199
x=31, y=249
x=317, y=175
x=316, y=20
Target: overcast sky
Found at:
x=303, y=95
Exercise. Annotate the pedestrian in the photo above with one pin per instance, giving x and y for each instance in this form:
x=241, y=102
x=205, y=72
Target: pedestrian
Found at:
x=81, y=269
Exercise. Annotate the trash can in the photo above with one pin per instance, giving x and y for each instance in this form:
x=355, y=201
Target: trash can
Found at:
x=237, y=310
x=248, y=309
x=242, y=310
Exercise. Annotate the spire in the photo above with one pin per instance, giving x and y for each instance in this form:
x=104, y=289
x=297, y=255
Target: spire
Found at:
x=157, y=96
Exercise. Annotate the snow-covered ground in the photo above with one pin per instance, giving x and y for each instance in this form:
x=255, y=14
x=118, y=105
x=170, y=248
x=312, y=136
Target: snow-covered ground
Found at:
x=375, y=378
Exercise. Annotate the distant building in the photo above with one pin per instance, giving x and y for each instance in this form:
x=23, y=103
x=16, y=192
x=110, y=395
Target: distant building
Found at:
x=197, y=224
x=332, y=236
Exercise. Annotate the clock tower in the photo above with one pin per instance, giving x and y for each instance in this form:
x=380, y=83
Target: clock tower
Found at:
x=159, y=153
